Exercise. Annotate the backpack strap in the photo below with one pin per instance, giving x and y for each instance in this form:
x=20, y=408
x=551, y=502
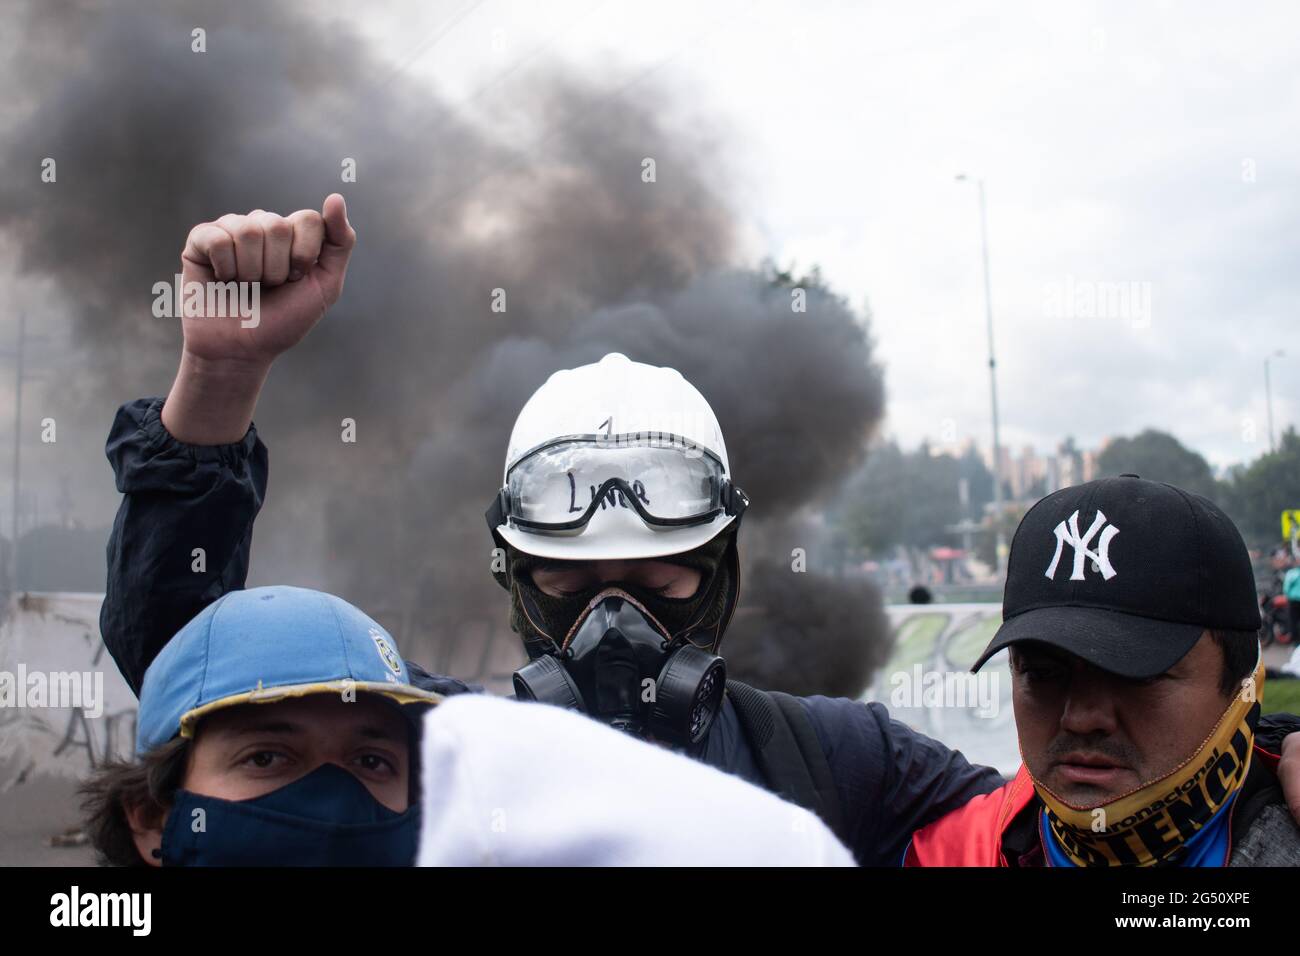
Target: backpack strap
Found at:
x=787, y=751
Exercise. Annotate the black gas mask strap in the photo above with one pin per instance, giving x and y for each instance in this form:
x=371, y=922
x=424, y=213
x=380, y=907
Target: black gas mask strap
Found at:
x=546, y=643
x=713, y=633
x=502, y=577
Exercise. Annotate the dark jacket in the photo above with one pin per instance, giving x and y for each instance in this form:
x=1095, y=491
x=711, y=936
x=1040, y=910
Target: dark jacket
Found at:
x=890, y=780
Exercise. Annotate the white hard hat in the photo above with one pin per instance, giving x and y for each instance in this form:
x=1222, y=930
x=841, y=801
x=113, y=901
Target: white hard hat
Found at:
x=601, y=420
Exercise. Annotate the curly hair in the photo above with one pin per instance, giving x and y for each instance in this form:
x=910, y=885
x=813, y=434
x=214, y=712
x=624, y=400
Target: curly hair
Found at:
x=149, y=783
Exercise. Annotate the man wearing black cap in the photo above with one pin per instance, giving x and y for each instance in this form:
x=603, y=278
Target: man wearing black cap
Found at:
x=1132, y=623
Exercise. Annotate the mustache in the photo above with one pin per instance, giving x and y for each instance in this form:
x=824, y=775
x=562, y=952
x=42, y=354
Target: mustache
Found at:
x=1108, y=747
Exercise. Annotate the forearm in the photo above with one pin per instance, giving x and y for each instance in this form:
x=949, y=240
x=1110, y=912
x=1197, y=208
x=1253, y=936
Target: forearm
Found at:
x=212, y=403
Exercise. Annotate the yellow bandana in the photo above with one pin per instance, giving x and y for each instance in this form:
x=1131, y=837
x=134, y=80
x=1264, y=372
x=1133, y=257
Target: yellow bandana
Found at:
x=1151, y=824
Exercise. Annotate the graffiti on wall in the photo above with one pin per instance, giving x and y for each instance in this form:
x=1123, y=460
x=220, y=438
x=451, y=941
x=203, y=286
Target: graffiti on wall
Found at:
x=927, y=683
x=64, y=708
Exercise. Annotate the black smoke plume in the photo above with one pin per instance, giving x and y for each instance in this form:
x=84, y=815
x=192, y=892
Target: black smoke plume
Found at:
x=539, y=194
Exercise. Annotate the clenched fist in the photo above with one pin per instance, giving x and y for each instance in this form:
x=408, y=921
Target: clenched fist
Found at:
x=299, y=262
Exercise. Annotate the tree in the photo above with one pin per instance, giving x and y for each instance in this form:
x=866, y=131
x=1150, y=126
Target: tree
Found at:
x=909, y=498
x=979, y=481
x=1257, y=494
x=986, y=544
x=871, y=508
x=1159, y=456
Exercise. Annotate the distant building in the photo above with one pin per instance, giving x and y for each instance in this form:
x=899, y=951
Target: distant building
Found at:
x=1028, y=476
x=1090, y=465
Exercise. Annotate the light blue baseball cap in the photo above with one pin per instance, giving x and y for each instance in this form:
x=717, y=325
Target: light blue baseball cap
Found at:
x=265, y=645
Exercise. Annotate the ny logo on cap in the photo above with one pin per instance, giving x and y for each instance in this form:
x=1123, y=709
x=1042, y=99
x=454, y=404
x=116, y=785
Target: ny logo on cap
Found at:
x=1069, y=534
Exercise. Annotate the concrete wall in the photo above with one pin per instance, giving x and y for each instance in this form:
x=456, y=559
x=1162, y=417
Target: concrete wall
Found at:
x=59, y=633
x=936, y=644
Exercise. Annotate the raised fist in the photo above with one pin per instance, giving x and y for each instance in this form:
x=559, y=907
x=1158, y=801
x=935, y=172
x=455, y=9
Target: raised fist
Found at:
x=299, y=262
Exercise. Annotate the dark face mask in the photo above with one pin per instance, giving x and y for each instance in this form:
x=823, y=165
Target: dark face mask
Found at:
x=327, y=818
x=622, y=666
x=543, y=620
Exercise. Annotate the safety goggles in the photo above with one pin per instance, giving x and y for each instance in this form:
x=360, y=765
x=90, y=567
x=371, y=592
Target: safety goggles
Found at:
x=667, y=480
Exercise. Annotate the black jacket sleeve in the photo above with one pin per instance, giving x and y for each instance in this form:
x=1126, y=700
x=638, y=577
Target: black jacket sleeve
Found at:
x=891, y=780
x=182, y=535
x=1273, y=728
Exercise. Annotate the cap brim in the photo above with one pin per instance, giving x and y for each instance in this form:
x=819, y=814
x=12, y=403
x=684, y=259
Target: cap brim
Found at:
x=402, y=694
x=1121, y=644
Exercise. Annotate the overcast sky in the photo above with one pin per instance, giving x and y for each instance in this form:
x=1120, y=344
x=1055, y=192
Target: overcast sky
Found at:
x=1152, y=149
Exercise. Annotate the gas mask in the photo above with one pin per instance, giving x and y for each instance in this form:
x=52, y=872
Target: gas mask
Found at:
x=620, y=665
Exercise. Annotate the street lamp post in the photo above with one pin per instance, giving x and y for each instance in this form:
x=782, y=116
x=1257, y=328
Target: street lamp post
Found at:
x=1000, y=546
x=18, y=428
x=1268, y=396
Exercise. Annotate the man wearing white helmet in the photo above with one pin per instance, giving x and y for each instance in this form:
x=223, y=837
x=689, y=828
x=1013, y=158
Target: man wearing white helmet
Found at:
x=618, y=516
x=616, y=519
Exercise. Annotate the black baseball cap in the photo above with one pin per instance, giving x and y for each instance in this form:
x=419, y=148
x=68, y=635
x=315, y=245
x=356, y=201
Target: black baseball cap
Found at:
x=1126, y=574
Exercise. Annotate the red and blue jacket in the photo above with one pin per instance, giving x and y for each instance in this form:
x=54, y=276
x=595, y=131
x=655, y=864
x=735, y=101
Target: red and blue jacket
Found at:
x=1000, y=828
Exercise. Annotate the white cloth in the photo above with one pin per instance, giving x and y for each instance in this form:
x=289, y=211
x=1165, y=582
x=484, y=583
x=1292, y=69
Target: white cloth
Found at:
x=526, y=784
x=1292, y=666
